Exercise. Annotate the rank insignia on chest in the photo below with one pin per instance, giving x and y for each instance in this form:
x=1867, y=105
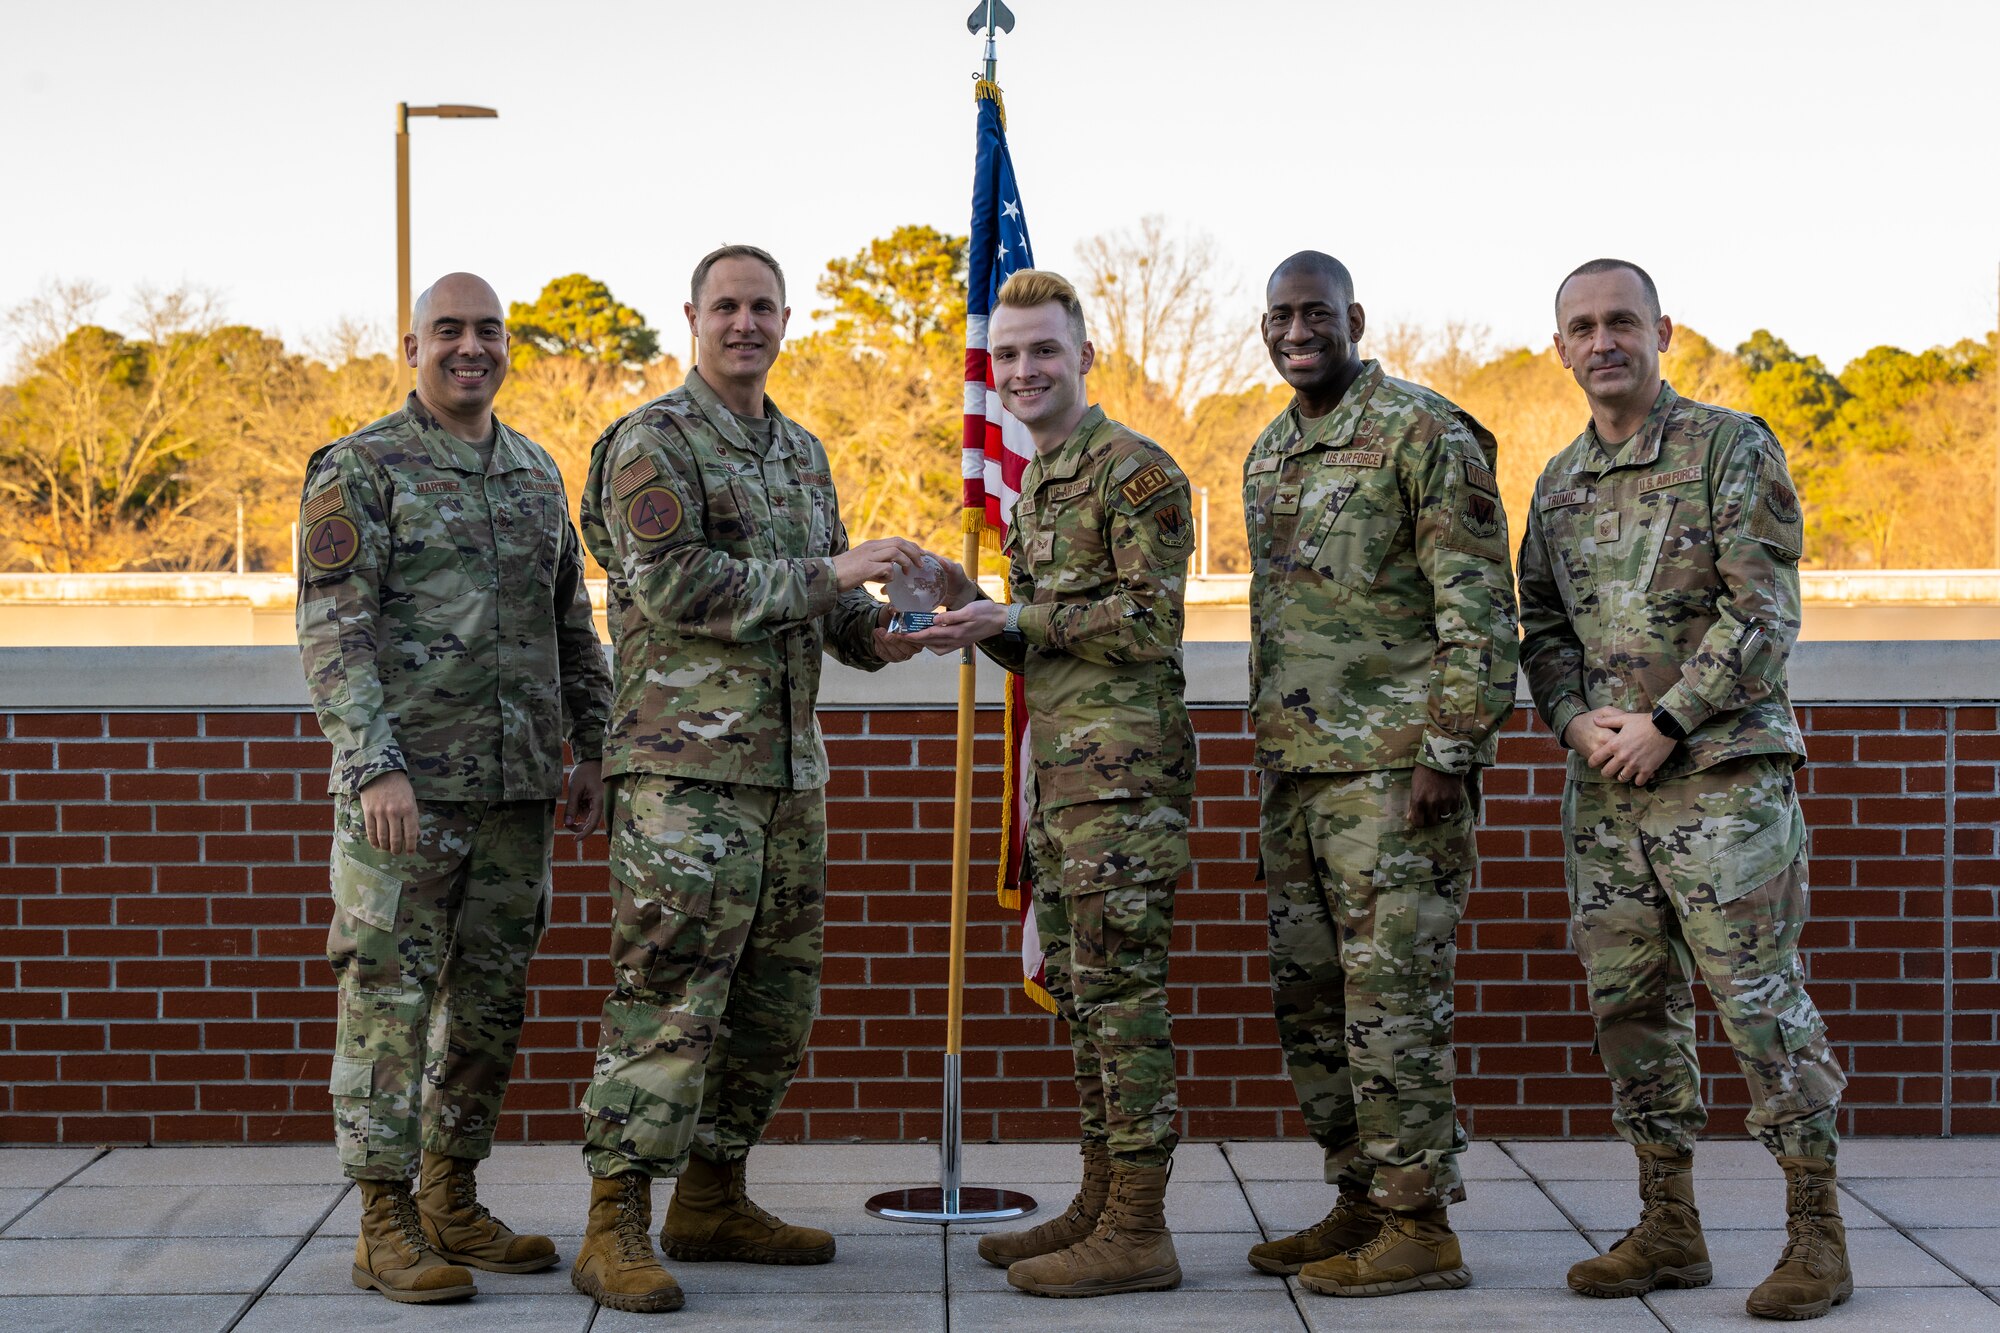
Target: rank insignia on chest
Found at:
x=1607, y=527
x=332, y=543
x=1173, y=525
x=1042, y=549
x=1481, y=515
x=1285, y=500
x=653, y=514
x=1150, y=481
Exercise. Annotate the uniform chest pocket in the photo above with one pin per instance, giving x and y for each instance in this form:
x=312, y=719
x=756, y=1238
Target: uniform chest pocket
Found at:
x=734, y=522
x=442, y=545
x=525, y=524
x=1351, y=520
x=1679, y=548
x=820, y=510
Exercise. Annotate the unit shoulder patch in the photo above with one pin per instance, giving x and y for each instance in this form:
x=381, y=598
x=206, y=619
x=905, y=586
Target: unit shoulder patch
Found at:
x=332, y=543
x=1171, y=521
x=653, y=513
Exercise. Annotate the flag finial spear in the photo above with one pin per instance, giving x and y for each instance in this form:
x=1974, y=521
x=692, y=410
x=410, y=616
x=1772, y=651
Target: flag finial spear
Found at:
x=993, y=16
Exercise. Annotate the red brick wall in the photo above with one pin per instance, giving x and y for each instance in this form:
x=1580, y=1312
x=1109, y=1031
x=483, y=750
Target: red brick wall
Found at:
x=162, y=909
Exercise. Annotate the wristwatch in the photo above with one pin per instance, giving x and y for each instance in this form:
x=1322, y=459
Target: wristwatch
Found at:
x=1013, y=625
x=1667, y=724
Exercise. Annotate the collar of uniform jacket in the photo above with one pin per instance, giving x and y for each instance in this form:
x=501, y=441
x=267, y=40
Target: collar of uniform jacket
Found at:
x=447, y=450
x=717, y=414
x=1337, y=427
x=1068, y=457
x=1643, y=449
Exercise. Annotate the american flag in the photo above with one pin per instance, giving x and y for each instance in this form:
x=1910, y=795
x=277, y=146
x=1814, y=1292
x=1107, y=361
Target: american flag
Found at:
x=997, y=450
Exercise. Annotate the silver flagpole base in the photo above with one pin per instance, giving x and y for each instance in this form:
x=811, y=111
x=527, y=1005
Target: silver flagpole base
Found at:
x=967, y=1203
x=949, y=1201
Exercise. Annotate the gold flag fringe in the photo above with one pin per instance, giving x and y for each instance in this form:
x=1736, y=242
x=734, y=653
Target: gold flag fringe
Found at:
x=984, y=91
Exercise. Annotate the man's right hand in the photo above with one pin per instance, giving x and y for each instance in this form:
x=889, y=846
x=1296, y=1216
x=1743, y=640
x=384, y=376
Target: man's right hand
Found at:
x=1587, y=733
x=389, y=813
x=875, y=561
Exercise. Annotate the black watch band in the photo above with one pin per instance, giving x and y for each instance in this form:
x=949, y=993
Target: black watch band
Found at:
x=1668, y=725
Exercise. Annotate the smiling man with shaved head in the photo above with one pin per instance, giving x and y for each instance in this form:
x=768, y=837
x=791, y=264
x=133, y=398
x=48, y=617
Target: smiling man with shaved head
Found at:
x=447, y=636
x=1381, y=667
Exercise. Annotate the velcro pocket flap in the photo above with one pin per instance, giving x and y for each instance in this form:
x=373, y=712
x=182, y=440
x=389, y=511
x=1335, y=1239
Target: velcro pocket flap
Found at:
x=1760, y=858
x=1800, y=1025
x=368, y=895
x=351, y=1078
x=611, y=1101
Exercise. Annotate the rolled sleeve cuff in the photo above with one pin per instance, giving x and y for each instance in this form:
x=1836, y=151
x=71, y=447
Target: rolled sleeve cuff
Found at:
x=1447, y=754
x=364, y=766
x=1567, y=710
x=1035, y=623
x=1688, y=708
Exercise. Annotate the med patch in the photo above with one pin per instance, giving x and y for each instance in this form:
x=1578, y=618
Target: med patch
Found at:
x=1149, y=482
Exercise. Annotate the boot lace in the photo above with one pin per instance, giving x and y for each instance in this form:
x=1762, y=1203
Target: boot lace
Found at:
x=403, y=1212
x=1345, y=1211
x=1652, y=1203
x=634, y=1245
x=1807, y=1238
x=465, y=1198
x=1390, y=1236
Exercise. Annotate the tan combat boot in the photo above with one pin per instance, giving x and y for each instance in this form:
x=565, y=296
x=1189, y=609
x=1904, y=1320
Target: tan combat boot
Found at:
x=1352, y=1223
x=1666, y=1249
x=1412, y=1252
x=1004, y=1248
x=710, y=1217
x=391, y=1255
x=615, y=1265
x=1812, y=1275
x=460, y=1229
x=1130, y=1250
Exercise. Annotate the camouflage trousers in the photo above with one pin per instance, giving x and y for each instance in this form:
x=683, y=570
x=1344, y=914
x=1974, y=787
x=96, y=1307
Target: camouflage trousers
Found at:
x=1703, y=874
x=431, y=949
x=718, y=895
x=1364, y=916
x=1104, y=875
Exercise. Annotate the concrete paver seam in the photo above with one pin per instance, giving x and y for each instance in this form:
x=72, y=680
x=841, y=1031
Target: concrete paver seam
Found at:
x=251, y=1300
x=102, y=1152
x=1292, y=1287
x=1907, y=1234
x=1571, y=1218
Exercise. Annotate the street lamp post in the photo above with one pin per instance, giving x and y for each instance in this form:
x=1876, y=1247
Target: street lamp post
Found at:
x=403, y=113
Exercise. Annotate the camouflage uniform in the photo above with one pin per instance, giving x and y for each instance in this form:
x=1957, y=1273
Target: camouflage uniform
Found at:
x=1099, y=549
x=446, y=632
x=719, y=544
x=1382, y=636
x=1663, y=572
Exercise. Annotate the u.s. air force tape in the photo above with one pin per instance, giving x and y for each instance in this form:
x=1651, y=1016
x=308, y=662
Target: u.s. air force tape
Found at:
x=653, y=513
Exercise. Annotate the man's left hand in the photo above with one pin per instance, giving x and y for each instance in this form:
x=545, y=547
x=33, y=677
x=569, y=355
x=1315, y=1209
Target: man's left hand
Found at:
x=1434, y=796
x=585, y=809
x=1635, y=751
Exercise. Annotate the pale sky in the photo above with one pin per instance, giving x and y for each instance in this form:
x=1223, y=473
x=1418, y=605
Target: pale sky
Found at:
x=1824, y=169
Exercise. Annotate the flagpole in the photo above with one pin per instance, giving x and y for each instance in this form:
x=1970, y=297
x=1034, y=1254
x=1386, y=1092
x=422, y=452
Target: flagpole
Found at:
x=951, y=1200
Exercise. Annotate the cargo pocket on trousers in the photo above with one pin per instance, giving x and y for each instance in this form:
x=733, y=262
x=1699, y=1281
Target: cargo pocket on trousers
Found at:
x=1749, y=865
x=368, y=895
x=351, y=1085
x=1119, y=894
x=1799, y=1024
